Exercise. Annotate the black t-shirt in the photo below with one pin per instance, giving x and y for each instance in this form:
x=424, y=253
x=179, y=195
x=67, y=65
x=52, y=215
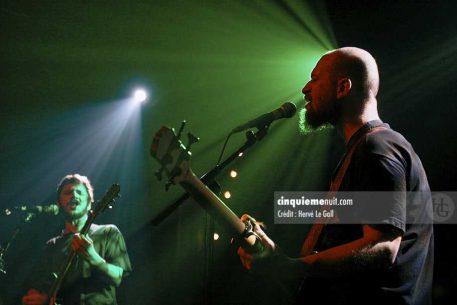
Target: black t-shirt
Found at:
x=383, y=161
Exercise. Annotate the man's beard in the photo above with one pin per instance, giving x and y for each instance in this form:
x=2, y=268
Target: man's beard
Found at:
x=77, y=214
x=310, y=121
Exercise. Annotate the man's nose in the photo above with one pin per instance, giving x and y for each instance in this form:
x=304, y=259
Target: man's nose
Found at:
x=306, y=89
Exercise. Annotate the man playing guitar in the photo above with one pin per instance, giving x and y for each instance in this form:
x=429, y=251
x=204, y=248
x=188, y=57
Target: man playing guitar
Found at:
x=101, y=261
x=387, y=257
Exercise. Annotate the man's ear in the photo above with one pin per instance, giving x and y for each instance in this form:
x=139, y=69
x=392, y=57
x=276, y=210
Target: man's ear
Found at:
x=343, y=87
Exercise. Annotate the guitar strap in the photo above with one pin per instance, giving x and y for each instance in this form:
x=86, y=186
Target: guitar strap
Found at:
x=316, y=230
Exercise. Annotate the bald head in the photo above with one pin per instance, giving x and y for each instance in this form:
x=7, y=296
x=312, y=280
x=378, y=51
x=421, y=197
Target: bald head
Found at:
x=342, y=90
x=359, y=66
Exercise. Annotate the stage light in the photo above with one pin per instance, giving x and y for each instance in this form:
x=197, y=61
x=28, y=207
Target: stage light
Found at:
x=140, y=95
x=216, y=236
x=227, y=195
x=233, y=173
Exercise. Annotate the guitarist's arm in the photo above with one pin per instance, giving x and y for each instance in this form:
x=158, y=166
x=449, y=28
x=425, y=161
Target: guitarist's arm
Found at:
x=84, y=246
x=376, y=249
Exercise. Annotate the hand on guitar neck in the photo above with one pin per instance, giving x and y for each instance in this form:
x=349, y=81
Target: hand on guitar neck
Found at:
x=247, y=257
x=269, y=258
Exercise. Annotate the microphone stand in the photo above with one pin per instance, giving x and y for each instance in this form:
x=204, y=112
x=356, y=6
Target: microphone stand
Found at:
x=209, y=177
x=27, y=218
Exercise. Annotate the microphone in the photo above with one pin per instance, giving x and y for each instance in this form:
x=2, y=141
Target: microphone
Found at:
x=287, y=110
x=52, y=209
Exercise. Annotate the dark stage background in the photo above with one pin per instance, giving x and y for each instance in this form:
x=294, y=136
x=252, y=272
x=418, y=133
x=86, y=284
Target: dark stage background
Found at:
x=68, y=67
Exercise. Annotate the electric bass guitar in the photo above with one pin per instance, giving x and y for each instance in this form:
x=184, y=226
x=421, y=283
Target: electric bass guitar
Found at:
x=175, y=159
x=101, y=206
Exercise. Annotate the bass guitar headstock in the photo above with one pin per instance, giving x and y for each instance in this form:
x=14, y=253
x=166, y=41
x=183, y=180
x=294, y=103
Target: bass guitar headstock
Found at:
x=173, y=156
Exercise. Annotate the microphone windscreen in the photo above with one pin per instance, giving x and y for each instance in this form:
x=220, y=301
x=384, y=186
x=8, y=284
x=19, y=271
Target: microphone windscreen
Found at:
x=289, y=109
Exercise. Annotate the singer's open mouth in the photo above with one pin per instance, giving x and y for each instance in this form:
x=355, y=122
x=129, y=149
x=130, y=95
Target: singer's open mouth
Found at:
x=74, y=204
x=308, y=102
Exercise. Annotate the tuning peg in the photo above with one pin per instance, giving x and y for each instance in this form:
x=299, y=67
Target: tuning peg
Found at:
x=191, y=140
x=181, y=128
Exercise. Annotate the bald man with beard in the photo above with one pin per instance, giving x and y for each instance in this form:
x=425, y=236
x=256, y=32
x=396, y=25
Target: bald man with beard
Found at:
x=386, y=258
